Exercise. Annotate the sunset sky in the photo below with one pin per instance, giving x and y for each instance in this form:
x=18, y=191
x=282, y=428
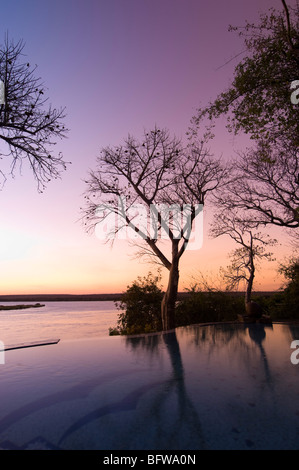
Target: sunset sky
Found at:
x=118, y=66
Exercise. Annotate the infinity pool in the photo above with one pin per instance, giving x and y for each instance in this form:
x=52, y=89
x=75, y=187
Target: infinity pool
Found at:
x=221, y=386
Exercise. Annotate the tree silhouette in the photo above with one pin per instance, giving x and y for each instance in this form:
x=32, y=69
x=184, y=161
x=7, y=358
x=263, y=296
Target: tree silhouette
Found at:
x=252, y=249
x=265, y=179
x=258, y=102
x=156, y=187
x=264, y=185
x=29, y=127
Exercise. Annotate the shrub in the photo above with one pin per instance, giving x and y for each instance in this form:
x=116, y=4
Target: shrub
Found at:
x=284, y=305
x=208, y=306
x=141, y=307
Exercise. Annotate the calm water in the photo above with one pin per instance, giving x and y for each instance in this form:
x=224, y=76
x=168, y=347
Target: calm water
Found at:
x=228, y=386
x=63, y=320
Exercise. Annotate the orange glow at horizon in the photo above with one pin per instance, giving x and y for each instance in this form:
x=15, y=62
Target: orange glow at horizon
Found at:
x=55, y=270
x=134, y=65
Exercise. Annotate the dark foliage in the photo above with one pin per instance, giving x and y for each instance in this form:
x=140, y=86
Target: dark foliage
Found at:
x=141, y=307
x=210, y=306
x=284, y=305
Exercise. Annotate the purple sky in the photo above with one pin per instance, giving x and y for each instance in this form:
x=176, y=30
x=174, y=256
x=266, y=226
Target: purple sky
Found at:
x=118, y=66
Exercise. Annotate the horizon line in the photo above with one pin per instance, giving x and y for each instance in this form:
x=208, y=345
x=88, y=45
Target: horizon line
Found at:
x=45, y=296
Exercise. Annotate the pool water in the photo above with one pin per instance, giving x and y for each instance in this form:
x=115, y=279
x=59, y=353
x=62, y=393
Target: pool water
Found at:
x=220, y=386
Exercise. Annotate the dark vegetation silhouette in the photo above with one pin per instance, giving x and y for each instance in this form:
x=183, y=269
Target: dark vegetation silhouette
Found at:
x=140, y=307
x=256, y=190
x=29, y=125
x=284, y=305
x=258, y=100
x=262, y=188
x=140, y=304
x=253, y=248
x=166, y=181
x=264, y=179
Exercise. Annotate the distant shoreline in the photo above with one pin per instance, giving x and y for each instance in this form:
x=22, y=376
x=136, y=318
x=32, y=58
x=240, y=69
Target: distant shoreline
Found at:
x=93, y=297
x=58, y=297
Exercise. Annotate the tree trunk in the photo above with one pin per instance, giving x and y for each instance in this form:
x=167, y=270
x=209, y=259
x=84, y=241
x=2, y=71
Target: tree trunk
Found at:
x=170, y=297
x=253, y=309
x=250, y=282
x=249, y=288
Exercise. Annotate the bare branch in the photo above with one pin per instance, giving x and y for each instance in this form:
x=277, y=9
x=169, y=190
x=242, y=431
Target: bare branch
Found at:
x=252, y=249
x=29, y=127
x=157, y=188
x=265, y=186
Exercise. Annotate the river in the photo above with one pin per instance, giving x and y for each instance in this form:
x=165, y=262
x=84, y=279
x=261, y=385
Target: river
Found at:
x=57, y=320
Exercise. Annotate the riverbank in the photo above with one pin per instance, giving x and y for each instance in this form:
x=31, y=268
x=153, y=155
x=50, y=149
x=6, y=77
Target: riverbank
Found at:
x=59, y=297
x=93, y=297
x=20, y=307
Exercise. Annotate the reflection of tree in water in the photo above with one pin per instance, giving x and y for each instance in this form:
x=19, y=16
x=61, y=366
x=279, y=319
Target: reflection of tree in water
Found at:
x=216, y=335
x=148, y=343
x=250, y=356
x=208, y=339
x=292, y=331
x=257, y=332
x=211, y=339
x=233, y=337
x=185, y=430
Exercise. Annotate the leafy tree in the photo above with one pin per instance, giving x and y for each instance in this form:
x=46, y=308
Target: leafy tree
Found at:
x=156, y=187
x=291, y=291
x=258, y=102
x=291, y=273
x=264, y=180
x=141, y=307
x=284, y=304
x=29, y=127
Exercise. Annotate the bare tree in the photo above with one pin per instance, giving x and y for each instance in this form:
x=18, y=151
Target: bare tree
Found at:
x=156, y=187
x=264, y=185
x=29, y=127
x=252, y=249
